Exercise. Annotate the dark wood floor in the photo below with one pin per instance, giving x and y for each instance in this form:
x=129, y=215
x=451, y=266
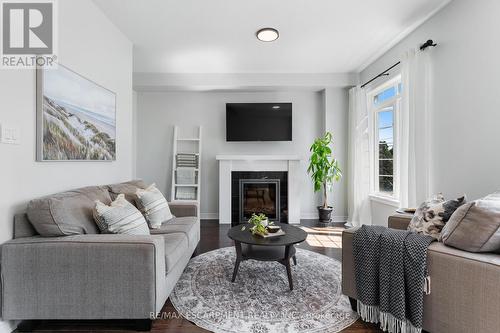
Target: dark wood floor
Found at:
x=326, y=241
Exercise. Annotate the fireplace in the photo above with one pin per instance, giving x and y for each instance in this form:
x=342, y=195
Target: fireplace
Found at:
x=259, y=192
x=259, y=196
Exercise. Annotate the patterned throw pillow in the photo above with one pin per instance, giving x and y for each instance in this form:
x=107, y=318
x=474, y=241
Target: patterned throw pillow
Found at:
x=153, y=205
x=120, y=217
x=432, y=215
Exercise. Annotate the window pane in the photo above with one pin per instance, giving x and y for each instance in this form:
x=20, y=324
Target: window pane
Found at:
x=386, y=167
x=385, y=135
x=386, y=131
x=386, y=184
x=386, y=117
x=385, y=125
x=385, y=151
x=385, y=95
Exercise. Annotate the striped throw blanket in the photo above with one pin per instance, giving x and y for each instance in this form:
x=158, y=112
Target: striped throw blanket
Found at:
x=391, y=277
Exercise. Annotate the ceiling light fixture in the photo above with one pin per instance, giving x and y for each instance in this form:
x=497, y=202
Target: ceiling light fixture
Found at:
x=267, y=34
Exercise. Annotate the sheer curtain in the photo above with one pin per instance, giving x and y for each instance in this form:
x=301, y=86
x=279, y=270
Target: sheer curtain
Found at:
x=358, y=159
x=415, y=134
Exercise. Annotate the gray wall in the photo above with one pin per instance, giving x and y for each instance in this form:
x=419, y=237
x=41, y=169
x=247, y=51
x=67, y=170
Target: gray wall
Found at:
x=158, y=112
x=92, y=46
x=466, y=104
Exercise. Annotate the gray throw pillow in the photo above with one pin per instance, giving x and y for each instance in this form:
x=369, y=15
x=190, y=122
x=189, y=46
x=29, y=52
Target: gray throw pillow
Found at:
x=67, y=213
x=127, y=188
x=120, y=217
x=153, y=205
x=432, y=215
x=475, y=227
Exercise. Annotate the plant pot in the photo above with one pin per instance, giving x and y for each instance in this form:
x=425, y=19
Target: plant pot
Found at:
x=325, y=215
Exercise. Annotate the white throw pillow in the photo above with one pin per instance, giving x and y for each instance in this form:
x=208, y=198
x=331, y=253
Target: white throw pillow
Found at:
x=153, y=205
x=120, y=217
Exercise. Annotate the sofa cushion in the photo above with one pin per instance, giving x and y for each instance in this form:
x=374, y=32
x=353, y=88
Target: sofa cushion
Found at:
x=67, y=213
x=120, y=217
x=176, y=247
x=475, y=227
x=432, y=215
x=187, y=225
x=153, y=205
x=23, y=227
x=128, y=188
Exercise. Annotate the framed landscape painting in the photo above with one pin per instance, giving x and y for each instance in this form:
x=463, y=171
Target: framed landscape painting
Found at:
x=76, y=118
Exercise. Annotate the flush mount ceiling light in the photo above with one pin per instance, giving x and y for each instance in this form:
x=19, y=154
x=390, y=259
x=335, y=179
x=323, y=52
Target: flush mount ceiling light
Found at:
x=267, y=34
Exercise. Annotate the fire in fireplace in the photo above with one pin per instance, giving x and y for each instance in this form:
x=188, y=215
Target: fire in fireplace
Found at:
x=259, y=192
x=260, y=196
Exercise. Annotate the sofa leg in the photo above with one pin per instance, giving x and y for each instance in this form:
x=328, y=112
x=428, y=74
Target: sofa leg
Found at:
x=143, y=325
x=27, y=326
x=354, y=304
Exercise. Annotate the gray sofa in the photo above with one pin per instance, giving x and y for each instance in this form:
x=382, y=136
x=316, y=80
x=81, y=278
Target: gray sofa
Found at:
x=465, y=286
x=92, y=275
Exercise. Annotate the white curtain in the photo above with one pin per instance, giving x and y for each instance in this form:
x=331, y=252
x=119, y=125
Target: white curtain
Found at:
x=415, y=134
x=358, y=159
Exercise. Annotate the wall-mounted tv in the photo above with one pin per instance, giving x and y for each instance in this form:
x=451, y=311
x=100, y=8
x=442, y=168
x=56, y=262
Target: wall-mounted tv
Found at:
x=259, y=122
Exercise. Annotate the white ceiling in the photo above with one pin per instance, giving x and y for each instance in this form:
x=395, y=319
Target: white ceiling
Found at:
x=218, y=36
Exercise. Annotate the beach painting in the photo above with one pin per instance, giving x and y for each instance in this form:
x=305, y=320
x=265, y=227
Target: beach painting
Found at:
x=76, y=118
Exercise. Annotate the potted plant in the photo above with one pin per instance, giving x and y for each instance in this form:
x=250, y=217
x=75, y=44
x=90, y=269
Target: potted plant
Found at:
x=324, y=170
x=260, y=223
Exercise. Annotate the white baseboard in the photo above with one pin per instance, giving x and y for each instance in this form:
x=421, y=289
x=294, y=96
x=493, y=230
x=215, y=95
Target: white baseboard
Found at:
x=209, y=216
x=314, y=216
x=303, y=216
x=309, y=216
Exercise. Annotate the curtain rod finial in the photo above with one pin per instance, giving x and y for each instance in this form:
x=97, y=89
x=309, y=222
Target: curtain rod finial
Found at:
x=428, y=43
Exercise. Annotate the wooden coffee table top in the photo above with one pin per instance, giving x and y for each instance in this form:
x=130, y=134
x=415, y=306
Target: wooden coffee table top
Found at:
x=293, y=235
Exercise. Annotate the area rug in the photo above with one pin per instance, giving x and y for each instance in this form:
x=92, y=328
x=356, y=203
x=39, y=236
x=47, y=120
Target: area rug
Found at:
x=259, y=301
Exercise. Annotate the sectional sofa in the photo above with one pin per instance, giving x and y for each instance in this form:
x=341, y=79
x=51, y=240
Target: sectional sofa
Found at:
x=87, y=275
x=465, y=286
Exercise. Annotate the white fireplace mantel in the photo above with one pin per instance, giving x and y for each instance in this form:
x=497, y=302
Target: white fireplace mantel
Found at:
x=288, y=163
x=258, y=157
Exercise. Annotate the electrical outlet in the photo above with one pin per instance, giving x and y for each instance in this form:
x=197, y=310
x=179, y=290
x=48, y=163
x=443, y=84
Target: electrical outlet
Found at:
x=9, y=135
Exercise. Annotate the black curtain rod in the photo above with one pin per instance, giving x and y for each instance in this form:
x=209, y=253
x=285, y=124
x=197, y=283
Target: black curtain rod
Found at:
x=384, y=73
x=425, y=45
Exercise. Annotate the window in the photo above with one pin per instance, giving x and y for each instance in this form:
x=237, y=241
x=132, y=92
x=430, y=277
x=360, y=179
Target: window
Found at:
x=384, y=102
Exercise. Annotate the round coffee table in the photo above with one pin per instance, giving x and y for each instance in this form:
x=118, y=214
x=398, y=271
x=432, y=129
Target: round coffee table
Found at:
x=280, y=249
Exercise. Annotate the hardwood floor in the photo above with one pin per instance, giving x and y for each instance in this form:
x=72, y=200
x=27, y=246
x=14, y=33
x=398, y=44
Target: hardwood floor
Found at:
x=326, y=241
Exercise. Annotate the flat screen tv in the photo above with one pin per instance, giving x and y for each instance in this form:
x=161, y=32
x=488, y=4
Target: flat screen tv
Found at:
x=259, y=122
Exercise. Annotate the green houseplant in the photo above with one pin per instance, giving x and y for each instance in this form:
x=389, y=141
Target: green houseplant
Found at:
x=259, y=222
x=324, y=170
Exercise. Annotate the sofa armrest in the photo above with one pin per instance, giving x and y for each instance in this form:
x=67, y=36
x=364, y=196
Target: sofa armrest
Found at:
x=399, y=221
x=82, y=277
x=183, y=209
x=348, y=275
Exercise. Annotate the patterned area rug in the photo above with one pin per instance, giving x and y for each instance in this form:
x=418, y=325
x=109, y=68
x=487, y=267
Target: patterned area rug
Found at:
x=259, y=301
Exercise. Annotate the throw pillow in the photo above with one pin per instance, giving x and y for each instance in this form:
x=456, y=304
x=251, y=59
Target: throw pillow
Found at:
x=120, y=217
x=153, y=205
x=67, y=213
x=127, y=188
x=475, y=226
x=432, y=215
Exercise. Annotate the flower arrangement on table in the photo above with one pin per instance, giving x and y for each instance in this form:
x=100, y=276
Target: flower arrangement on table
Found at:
x=261, y=225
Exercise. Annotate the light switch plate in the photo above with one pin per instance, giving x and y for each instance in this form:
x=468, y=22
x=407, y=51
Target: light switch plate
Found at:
x=9, y=135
